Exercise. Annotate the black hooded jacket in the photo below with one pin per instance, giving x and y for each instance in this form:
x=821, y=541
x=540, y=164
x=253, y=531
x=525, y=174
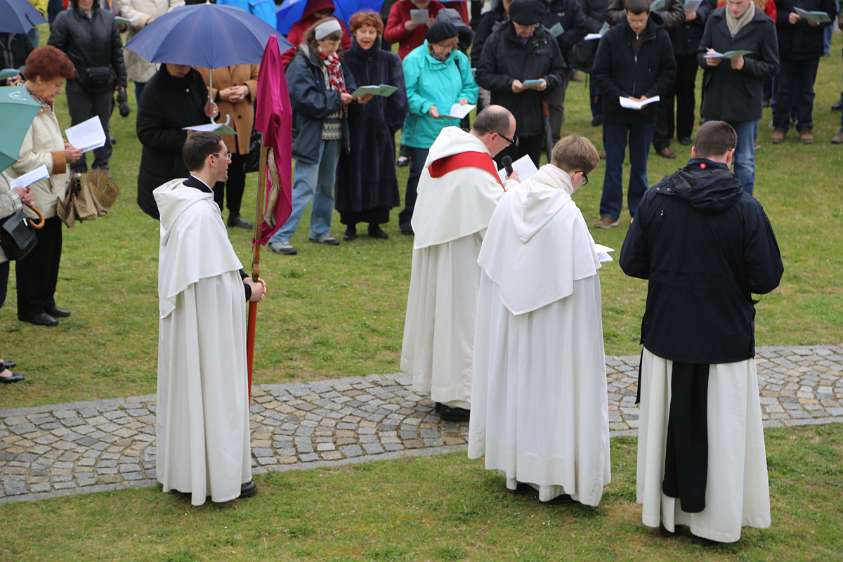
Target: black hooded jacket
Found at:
x=705, y=246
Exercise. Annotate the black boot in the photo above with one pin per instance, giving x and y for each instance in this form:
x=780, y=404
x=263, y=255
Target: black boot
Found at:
x=350, y=233
x=375, y=231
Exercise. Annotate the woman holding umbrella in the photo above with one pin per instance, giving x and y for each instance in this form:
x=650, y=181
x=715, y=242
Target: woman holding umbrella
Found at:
x=367, y=186
x=46, y=71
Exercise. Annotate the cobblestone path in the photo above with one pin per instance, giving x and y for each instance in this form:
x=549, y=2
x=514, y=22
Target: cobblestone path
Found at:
x=83, y=447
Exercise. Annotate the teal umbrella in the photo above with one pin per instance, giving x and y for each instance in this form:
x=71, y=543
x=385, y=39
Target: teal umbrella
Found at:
x=17, y=110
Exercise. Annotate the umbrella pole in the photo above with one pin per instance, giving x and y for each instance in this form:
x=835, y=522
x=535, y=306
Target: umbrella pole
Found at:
x=256, y=264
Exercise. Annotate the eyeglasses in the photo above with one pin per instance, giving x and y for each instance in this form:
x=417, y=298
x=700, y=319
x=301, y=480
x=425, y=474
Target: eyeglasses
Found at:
x=584, y=177
x=513, y=142
x=227, y=156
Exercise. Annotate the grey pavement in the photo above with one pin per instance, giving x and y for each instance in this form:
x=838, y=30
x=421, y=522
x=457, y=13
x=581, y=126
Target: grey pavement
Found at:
x=83, y=447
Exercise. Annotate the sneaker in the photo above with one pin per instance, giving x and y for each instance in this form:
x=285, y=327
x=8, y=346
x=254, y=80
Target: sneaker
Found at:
x=777, y=137
x=325, y=239
x=605, y=223
x=283, y=247
x=838, y=138
x=806, y=137
x=403, y=161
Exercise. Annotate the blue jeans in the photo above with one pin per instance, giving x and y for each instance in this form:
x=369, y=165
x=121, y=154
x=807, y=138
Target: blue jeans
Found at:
x=615, y=138
x=745, y=154
x=314, y=181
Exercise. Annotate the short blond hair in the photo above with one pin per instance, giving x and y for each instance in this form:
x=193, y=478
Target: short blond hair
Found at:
x=575, y=153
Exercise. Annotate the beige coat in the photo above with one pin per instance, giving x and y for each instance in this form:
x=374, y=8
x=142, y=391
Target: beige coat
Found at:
x=141, y=12
x=43, y=144
x=9, y=203
x=243, y=113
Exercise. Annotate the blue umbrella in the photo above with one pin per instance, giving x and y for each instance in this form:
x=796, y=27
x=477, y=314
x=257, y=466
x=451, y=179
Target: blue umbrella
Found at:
x=293, y=10
x=18, y=16
x=205, y=35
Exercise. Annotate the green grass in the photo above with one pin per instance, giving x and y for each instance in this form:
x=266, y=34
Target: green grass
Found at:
x=339, y=311
x=435, y=508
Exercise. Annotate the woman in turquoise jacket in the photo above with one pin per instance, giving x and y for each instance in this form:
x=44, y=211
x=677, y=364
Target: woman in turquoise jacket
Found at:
x=436, y=75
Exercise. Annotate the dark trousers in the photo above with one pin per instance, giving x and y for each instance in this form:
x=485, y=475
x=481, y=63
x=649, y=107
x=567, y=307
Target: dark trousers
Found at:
x=4, y=281
x=83, y=105
x=232, y=190
x=555, y=99
x=417, y=158
x=531, y=146
x=139, y=86
x=594, y=100
x=683, y=98
x=38, y=273
x=615, y=138
x=795, y=93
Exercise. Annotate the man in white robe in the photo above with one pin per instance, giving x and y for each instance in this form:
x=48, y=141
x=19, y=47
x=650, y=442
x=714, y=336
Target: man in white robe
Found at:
x=539, y=399
x=704, y=246
x=457, y=193
x=202, y=424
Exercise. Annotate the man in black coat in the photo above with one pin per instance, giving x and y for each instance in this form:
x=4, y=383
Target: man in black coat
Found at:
x=519, y=51
x=800, y=49
x=173, y=98
x=705, y=247
x=685, y=39
x=583, y=52
x=566, y=21
x=634, y=60
x=733, y=90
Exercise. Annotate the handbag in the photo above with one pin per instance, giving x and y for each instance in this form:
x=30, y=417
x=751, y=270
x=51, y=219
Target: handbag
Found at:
x=17, y=233
x=252, y=160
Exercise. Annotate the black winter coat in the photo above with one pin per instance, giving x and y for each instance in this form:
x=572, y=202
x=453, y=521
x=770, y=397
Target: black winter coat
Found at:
x=736, y=95
x=488, y=24
x=366, y=175
x=583, y=53
x=570, y=16
x=705, y=246
x=312, y=102
x=167, y=105
x=505, y=59
x=686, y=37
x=621, y=72
x=90, y=43
x=801, y=41
x=671, y=17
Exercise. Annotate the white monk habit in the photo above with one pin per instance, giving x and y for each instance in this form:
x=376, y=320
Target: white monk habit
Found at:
x=539, y=399
x=449, y=218
x=202, y=425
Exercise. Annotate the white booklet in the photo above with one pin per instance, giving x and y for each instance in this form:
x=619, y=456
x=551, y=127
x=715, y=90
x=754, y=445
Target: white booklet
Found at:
x=419, y=16
x=219, y=128
x=598, y=35
x=603, y=252
x=384, y=90
x=817, y=16
x=636, y=104
x=524, y=167
x=728, y=55
x=38, y=174
x=87, y=135
x=459, y=111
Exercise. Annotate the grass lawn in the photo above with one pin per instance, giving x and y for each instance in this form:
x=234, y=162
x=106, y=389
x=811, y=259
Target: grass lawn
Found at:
x=435, y=508
x=337, y=311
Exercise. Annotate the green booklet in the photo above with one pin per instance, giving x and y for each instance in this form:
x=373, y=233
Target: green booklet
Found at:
x=657, y=5
x=813, y=17
x=728, y=55
x=557, y=30
x=384, y=90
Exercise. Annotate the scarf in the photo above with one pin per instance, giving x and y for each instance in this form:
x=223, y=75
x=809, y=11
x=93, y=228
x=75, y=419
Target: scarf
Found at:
x=736, y=24
x=333, y=69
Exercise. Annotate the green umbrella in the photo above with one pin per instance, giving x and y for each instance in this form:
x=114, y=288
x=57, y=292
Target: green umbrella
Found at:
x=17, y=110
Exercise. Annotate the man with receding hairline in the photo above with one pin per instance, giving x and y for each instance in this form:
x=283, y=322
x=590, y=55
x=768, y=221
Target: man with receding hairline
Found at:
x=705, y=247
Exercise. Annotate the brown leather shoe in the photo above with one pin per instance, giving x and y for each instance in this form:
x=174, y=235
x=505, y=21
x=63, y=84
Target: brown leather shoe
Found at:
x=605, y=223
x=778, y=136
x=806, y=137
x=666, y=152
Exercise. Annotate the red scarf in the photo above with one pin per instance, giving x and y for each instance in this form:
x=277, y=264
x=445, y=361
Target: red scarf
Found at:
x=334, y=69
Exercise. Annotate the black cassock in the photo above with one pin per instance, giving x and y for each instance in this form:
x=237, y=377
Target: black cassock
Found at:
x=367, y=186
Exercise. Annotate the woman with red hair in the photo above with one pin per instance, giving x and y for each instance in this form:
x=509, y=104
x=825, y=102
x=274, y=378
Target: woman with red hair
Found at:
x=46, y=71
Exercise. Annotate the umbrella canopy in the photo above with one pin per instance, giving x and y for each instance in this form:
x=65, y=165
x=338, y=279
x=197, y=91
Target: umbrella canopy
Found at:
x=18, y=16
x=17, y=110
x=205, y=35
x=293, y=10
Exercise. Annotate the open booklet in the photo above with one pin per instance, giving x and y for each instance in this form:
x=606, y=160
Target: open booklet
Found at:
x=603, y=252
x=523, y=167
x=630, y=103
x=87, y=135
x=598, y=35
x=728, y=55
x=458, y=111
x=692, y=5
x=38, y=174
x=218, y=128
x=384, y=90
x=813, y=17
x=533, y=84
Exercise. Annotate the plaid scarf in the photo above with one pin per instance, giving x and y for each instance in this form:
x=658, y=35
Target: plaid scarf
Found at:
x=333, y=68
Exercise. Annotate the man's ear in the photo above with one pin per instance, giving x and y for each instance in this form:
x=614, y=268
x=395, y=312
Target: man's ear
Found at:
x=693, y=152
x=730, y=156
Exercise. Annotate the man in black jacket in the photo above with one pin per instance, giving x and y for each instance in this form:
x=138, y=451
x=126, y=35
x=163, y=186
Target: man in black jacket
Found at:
x=582, y=54
x=685, y=39
x=733, y=90
x=634, y=60
x=704, y=246
x=522, y=50
x=565, y=21
x=89, y=37
x=800, y=49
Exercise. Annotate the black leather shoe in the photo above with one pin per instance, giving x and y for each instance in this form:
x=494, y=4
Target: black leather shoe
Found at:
x=248, y=489
x=16, y=377
x=375, y=231
x=350, y=233
x=8, y=364
x=452, y=414
x=406, y=229
x=41, y=319
x=685, y=141
x=235, y=221
x=57, y=312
